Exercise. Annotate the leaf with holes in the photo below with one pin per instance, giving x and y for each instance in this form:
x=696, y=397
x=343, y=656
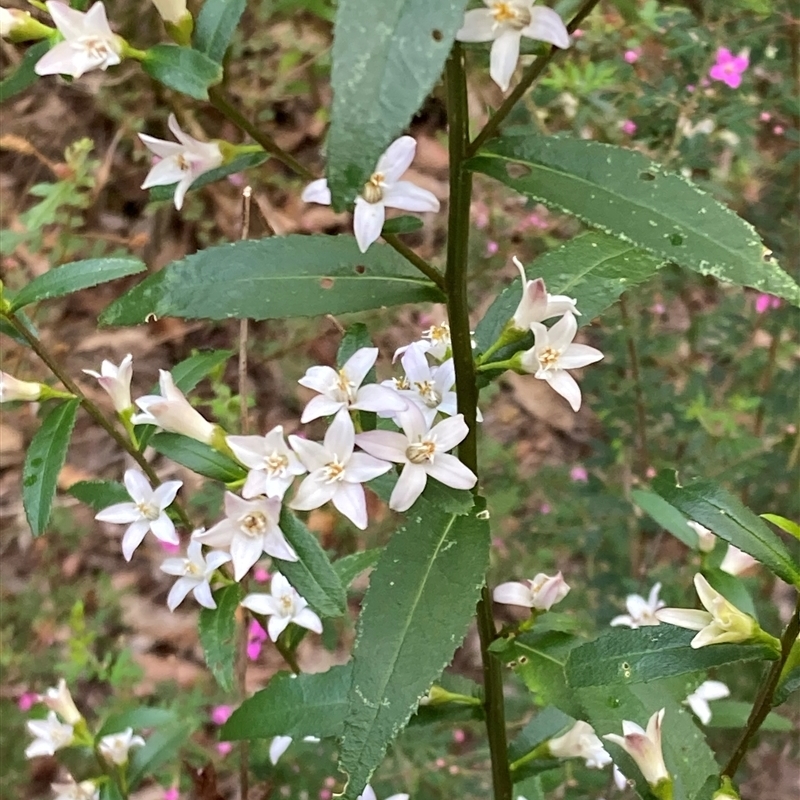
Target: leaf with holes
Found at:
x=387, y=57
x=411, y=623
x=218, y=634
x=275, y=278
x=625, y=194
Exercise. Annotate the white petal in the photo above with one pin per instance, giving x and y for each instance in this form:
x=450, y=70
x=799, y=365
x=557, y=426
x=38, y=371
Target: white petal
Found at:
x=138, y=486
x=367, y=222
x=182, y=187
x=173, y=566
x=202, y=593
x=119, y=514
x=451, y=472
x=449, y=433
x=547, y=26
x=279, y=745
x=712, y=690
x=349, y=500
x=249, y=450
x=245, y=551
x=308, y=619
x=563, y=383
x=317, y=192
x=362, y=468
x=165, y=493
x=684, y=618
x=415, y=364
x=312, y=493
x=219, y=535
x=513, y=594
x=177, y=594
x=70, y=23
x=563, y=332
x=256, y=484
x=96, y=20
x=623, y=619
x=579, y=355
x=383, y=399
x=408, y=196
x=276, y=626
x=504, y=57
x=412, y=421
x=163, y=149
x=340, y=437
x=313, y=455
x=164, y=529
x=320, y=379
x=359, y=364
x=133, y=538
x=478, y=26
x=409, y=487
x=320, y=406
x=275, y=545
x=397, y=158
x=386, y=445
x=216, y=558
x=262, y=603
x=700, y=708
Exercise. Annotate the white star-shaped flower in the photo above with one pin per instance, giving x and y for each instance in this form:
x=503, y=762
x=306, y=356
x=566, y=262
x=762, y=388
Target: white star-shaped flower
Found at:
x=115, y=747
x=553, y=353
x=383, y=190
x=336, y=472
x=504, y=23
x=641, y=612
x=49, y=735
x=182, y=162
x=116, y=381
x=147, y=512
x=89, y=43
x=195, y=573
x=273, y=465
x=342, y=388
x=435, y=342
x=698, y=700
x=543, y=592
x=423, y=451
x=283, y=605
x=250, y=529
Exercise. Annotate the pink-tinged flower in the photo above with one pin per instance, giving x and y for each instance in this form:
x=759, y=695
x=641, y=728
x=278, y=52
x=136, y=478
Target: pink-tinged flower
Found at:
x=58, y=699
x=342, y=388
x=536, y=303
x=554, y=353
x=260, y=575
x=736, y=561
x=116, y=381
x=580, y=741
x=272, y=464
x=221, y=714
x=543, y=592
x=223, y=748
x=632, y=56
x=194, y=573
x=764, y=302
x=250, y=529
x=628, y=127
x=146, y=513
x=765, y=116
x=181, y=162
x=504, y=23
x=283, y=605
x=89, y=43
x=383, y=190
x=690, y=87
x=12, y=388
x=171, y=411
x=480, y=215
x=578, y=475
x=491, y=248
x=779, y=130
x=256, y=636
x=644, y=747
x=545, y=508
x=172, y=793
x=459, y=736
x=729, y=68
x=170, y=547
x=706, y=540
x=578, y=33
x=423, y=451
x=336, y=472
x=27, y=700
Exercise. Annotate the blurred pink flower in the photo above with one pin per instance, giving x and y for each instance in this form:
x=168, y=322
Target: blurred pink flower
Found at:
x=534, y=220
x=729, y=68
x=651, y=472
x=577, y=33
x=27, y=700
x=765, y=116
x=260, y=575
x=256, y=636
x=779, y=130
x=579, y=474
x=220, y=714
x=237, y=179
x=628, y=127
x=440, y=762
x=705, y=82
x=223, y=748
x=632, y=56
x=545, y=508
x=764, y=302
x=491, y=248
x=172, y=794
x=690, y=87
x=325, y=794
x=168, y=547
x=480, y=215
x=658, y=308
x=459, y=736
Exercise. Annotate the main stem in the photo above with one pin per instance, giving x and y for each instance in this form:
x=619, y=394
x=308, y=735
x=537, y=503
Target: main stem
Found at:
x=763, y=703
x=467, y=390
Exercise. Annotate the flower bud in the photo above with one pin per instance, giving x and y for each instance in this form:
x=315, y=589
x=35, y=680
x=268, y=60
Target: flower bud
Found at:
x=59, y=699
x=644, y=747
x=12, y=388
x=541, y=593
x=705, y=539
x=171, y=10
x=116, y=381
x=20, y=26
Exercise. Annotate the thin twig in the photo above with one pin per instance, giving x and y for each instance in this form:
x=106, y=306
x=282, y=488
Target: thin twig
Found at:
x=244, y=417
x=423, y=266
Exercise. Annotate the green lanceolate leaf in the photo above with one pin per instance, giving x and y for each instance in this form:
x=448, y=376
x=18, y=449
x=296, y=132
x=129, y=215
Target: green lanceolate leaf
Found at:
x=73, y=277
x=387, y=56
x=355, y=337
x=667, y=516
x=239, y=164
x=727, y=517
x=99, y=494
x=43, y=461
x=734, y=714
x=625, y=194
x=626, y=657
x=275, y=278
x=218, y=634
x=313, y=575
x=306, y=705
x=402, y=224
x=189, y=372
x=180, y=68
x=594, y=268
x=24, y=75
x=215, y=26
x=139, y=719
x=198, y=457
x=792, y=528
x=160, y=748
x=416, y=612
x=348, y=568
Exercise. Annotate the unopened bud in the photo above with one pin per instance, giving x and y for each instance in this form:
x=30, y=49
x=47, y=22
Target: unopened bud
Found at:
x=20, y=26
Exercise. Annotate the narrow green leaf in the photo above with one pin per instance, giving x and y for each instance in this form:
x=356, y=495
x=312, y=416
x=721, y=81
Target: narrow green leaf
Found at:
x=215, y=26
x=355, y=337
x=160, y=748
x=99, y=494
x=185, y=70
x=198, y=457
x=728, y=518
x=625, y=194
x=189, y=372
x=667, y=516
x=792, y=528
x=402, y=224
x=626, y=657
x=73, y=277
x=350, y=567
x=387, y=57
x=594, y=268
x=24, y=75
x=275, y=278
x=790, y=683
x=416, y=612
x=312, y=576
x=239, y=164
x=306, y=705
x=139, y=719
x=731, y=588
x=110, y=791
x=217, y=630
x=43, y=461
x=734, y=714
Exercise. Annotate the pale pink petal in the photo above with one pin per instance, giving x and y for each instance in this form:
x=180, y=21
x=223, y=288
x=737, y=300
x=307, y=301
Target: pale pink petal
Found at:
x=367, y=222
x=275, y=545
x=349, y=500
x=163, y=149
x=415, y=364
x=96, y=20
x=245, y=551
x=409, y=487
x=563, y=332
x=180, y=190
x=513, y=594
x=262, y=603
x=203, y=595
